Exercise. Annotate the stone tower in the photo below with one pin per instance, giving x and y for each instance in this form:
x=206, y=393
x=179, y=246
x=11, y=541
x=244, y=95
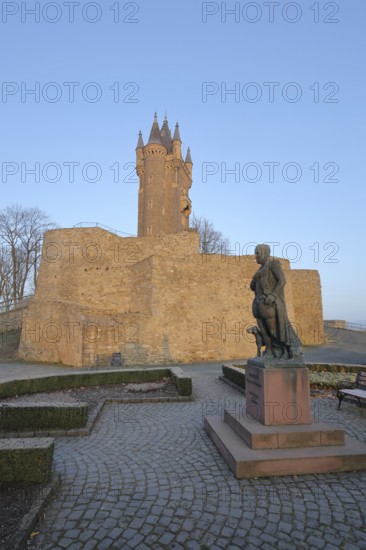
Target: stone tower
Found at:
x=165, y=179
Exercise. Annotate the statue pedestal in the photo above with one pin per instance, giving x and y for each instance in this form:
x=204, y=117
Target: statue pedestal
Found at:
x=273, y=433
x=277, y=395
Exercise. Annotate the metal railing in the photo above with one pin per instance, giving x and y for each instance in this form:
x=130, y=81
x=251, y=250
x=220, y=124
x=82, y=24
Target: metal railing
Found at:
x=8, y=305
x=101, y=361
x=355, y=326
x=102, y=226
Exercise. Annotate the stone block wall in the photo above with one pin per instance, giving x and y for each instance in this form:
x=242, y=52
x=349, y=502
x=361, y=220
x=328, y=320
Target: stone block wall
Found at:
x=154, y=299
x=308, y=306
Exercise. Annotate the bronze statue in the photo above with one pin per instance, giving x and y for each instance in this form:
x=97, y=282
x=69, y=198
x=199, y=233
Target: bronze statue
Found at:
x=258, y=339
x=269, y=308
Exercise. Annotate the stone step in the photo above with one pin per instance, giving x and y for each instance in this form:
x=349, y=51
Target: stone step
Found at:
x=258, y=436
x=247, y=463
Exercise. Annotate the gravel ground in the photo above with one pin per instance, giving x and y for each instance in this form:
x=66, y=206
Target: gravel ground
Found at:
x=16, y=498
x=93, y=395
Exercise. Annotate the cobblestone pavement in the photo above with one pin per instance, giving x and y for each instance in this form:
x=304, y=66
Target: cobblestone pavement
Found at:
x=148, y=477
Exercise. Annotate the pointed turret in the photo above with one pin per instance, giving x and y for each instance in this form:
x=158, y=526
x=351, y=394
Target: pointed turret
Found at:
x=176, y=136
x=188, y=156
x=155, y=136
x=177, y=143
x=166, y=135
x=139, y=149
x=140, y=142
x=189, y=163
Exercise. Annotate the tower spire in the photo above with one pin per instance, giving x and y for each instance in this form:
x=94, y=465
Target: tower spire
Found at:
x=188, y=156
x=155, y=136
x=176, y=136
x=140, y=142
x=166, y=135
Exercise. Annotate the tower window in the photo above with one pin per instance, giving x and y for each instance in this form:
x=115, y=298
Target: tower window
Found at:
x=150, y=204
x=149, y=230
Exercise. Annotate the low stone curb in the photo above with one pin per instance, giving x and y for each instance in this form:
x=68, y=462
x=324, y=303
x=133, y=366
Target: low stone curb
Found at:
x=232, y=384
x=93, y=417
x=19, y=540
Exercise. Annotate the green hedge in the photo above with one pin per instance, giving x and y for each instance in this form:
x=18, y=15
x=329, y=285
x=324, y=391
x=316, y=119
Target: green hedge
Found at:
x=322, y=375
x=26, y=459
x=98, y=378
x=335, y=367
x=182, y=382
x=235, y=375
x=332, y=380
x=41, y=416
x=77, y=380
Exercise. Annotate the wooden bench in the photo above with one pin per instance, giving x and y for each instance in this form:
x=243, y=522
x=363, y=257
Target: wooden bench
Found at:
x=359, y=392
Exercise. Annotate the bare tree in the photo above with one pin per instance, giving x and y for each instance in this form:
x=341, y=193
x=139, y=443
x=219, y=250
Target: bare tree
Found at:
x=211, y=240
x=5, y=275
x=21, y=233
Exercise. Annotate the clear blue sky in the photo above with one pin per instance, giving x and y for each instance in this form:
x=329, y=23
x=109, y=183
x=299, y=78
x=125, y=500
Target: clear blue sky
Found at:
x=163, y=53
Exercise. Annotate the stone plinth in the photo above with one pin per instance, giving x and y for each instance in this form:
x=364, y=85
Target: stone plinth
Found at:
x=257, y=436
x=277, y=395
x=247, y=463
x=273, y=435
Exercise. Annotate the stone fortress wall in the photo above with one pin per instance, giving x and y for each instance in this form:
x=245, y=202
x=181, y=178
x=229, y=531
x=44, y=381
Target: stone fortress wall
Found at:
x=155, y=299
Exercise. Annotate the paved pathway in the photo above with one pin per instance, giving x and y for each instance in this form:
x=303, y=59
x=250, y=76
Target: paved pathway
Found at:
x=148, y=477
x=14, y=370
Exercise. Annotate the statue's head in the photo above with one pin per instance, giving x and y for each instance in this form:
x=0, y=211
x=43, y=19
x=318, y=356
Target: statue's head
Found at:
x=262, y=253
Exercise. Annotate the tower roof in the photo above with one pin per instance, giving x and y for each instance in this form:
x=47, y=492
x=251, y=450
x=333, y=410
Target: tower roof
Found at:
x=176, y=133
x=155, y=136
x=188, y=156
x=140, y=142
x=166, y=135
